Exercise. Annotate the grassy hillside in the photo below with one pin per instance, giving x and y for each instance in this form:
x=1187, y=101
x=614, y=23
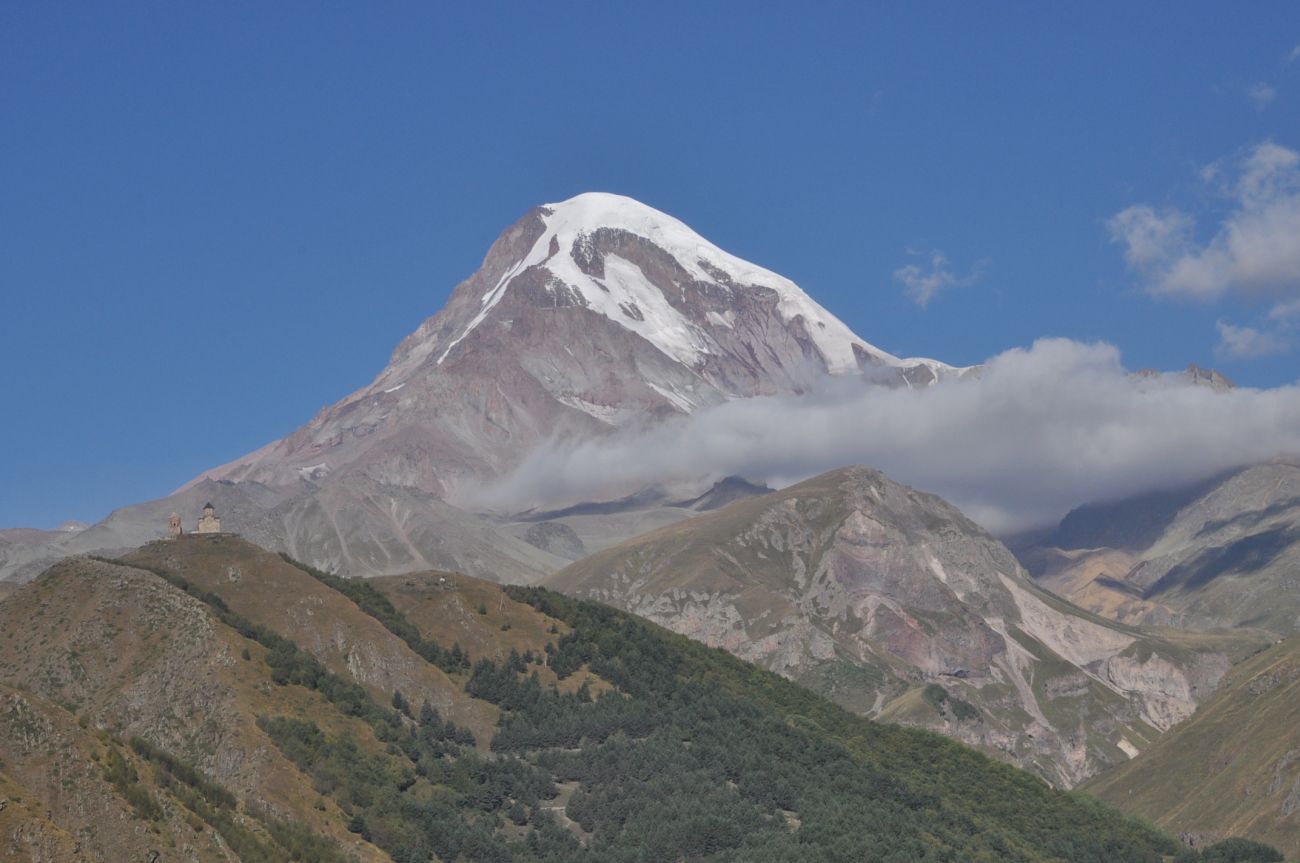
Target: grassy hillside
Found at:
x=217, y=697
x=1234, y=767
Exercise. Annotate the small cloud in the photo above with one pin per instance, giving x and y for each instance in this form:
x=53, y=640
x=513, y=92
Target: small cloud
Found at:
x=1286, y=311
x=1294, y=55
x=1150, y=236
x=1261, y=95
x=922, y=284
x=1243, y=343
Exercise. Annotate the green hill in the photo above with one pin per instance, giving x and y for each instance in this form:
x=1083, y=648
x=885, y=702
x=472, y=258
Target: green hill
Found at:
x=205, y=699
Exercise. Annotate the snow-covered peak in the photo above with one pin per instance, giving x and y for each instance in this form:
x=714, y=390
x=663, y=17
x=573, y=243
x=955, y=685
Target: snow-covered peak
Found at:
x=569, y=223
x=591, y=211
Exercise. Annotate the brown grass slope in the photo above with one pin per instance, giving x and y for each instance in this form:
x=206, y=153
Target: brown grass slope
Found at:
x=1234, y=767
x=98, y=654
x=450, y=608
x=262, y=587
x=94, y=654
x=60, y=807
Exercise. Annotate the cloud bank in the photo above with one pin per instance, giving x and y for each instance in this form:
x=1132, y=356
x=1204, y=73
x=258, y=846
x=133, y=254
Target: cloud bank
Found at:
x=1041, y=430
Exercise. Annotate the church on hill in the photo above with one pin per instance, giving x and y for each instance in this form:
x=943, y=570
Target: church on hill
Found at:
x=208, y=522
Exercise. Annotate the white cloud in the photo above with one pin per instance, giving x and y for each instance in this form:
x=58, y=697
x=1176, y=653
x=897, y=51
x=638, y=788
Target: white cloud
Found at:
x=923, y=284
x=1294, y=55
x=1261, y=95
x=1253, y=251
x=1150, y=237
x=1287, y=311
x=1240, y=342
x=1041, y=431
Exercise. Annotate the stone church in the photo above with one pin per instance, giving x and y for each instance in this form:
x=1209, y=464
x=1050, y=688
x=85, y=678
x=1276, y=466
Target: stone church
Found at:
x=208, y=522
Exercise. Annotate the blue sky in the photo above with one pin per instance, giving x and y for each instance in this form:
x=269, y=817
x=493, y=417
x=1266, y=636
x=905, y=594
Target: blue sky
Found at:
x=218, y=218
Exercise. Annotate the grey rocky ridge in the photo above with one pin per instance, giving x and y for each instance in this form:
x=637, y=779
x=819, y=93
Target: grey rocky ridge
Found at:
x=1223, y=552
x=893, y=603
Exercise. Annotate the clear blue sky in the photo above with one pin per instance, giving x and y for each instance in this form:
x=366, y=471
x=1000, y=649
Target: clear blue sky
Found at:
x=217, y=218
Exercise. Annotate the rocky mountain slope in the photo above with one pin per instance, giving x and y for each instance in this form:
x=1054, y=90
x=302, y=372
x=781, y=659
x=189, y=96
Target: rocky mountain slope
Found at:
x=894, y=604
x=204, y=699
x=365, y=528
x=1221, y=553
x=1233, y=767
x=359, y=527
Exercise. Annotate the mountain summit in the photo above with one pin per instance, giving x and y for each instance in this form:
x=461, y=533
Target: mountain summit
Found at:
x=653, y=275
x=587, y=315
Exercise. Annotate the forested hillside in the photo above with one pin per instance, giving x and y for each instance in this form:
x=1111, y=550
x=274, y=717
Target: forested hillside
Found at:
x=548, y=729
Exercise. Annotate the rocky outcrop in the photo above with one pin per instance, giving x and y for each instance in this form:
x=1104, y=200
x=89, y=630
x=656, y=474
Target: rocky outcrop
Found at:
x=555, y=538
x=1231, y=767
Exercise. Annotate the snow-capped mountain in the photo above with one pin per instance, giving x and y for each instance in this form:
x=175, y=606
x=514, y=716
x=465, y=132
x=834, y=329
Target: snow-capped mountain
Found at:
x=587, y=315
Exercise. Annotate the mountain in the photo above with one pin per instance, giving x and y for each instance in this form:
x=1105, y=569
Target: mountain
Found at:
x=894, y=604
x=587, y=315
x=205, y=700
x=1220, y=553
x=1233, y=767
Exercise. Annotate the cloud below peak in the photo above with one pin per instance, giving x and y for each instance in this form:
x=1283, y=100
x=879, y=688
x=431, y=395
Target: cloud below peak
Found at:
x=1040, y=431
